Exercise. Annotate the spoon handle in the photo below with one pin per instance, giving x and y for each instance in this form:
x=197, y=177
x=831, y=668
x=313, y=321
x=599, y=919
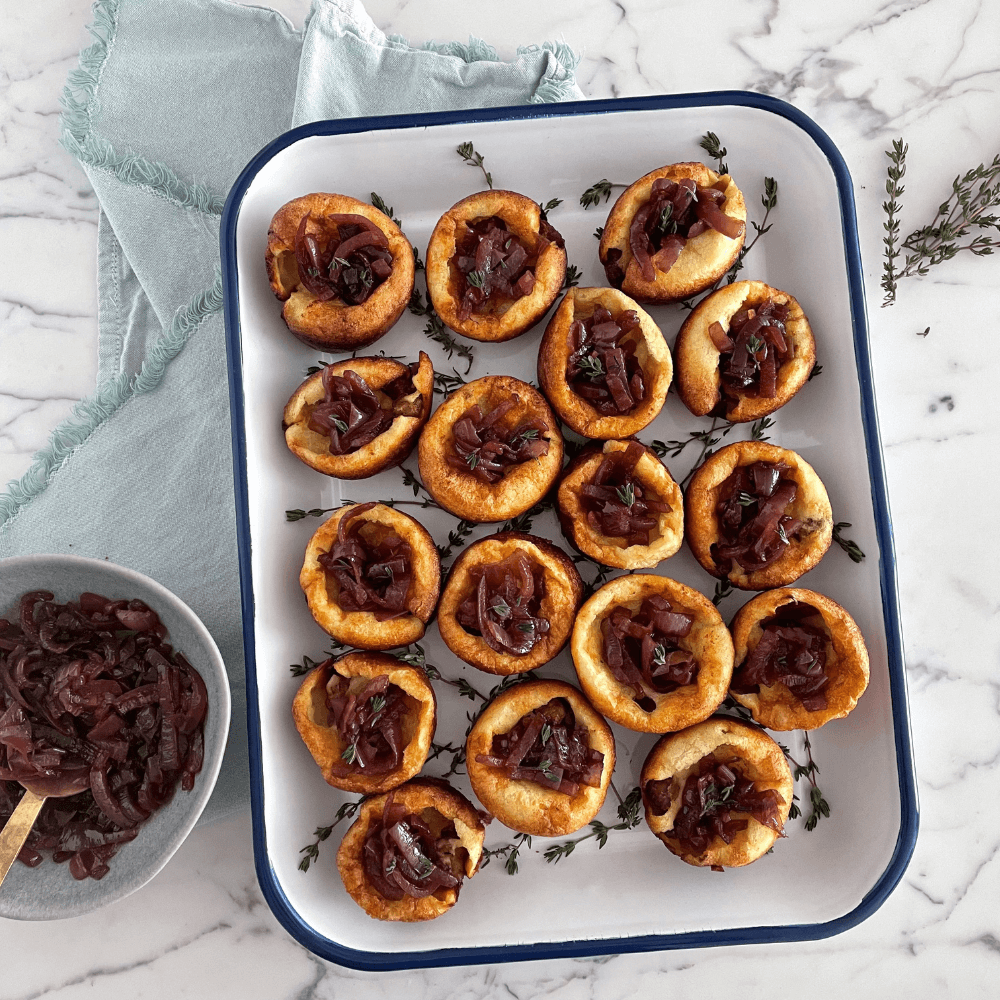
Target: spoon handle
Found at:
x=15, y=833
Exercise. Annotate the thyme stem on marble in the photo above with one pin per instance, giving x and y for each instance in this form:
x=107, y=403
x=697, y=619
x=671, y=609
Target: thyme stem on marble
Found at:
x=971, y=205
x=311, y=851
x=474, y=159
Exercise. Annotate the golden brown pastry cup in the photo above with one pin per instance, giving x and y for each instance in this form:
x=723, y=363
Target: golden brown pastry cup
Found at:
x=708, y=640
x=776, y=707
x=702, y=262
x=438, y=804
x=361, y=629
x=563, y=593
x=524, y=219
x=811, y=505
x=523, y=805
x=334, y=325
x=391, y=447
x=760, y=760
x=655, y=477
x=553, y=358
x=698, y=379
x=320, y=733
x=461, y=492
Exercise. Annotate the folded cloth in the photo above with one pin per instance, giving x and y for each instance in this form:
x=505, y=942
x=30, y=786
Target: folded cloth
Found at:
x=168, y=104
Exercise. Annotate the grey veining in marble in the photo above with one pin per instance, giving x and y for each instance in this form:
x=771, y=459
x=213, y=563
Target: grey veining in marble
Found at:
x=867, y=71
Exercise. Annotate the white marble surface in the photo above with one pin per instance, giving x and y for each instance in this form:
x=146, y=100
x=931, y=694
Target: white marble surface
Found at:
x=867, y=71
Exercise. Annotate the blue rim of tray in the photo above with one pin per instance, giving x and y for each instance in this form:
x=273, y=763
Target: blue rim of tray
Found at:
x=906, y=840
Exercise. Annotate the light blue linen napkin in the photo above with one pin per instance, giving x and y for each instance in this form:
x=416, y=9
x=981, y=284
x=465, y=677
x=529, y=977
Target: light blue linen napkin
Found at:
x=168, y=104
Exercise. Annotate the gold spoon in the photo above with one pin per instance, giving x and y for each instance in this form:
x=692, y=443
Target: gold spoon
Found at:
x=22, y=819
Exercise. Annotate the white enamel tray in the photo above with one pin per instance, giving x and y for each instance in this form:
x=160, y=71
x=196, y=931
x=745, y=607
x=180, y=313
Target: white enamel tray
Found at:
x=632, y=895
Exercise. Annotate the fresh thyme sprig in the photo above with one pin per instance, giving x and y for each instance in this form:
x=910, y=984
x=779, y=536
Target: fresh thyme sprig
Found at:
x=600, y=576
x=573, y=275
x=730, y=704
x=971, y=205
x=444, y=384
x=311, y=851
x=524, y=521
x=508, y=851
x=818, y=370
x=629, y=814
x=819, y=807
x=850, y=547
x=457, y=537
x=723, y=588
x=758, y=427
x=298, y=669
x=769, y=199
x=597, y=191
x=385, y=209
x=474, y=159
x=710, y=143
x=551, y=204
x=707, y=439
x=298, y=513
x=599, y=233
x=437, y=331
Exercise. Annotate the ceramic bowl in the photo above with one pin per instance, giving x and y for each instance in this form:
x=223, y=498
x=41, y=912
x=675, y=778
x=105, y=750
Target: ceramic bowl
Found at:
x=49, y=891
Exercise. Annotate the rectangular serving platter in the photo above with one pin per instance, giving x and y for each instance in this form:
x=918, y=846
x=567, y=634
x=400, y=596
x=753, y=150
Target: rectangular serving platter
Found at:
x=632, y=895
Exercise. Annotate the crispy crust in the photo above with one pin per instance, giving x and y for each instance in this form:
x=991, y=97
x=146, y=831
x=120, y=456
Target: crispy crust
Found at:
x=563, y=592
x=461, y=492
x=697, y=356
x=523, y=218
x=653, y=475
x=761, y=761
x=553, y=357
x=419, y=795
x=846, y=663
x=523, y=805
x=333, y=325
x=391, y=447
x=811, y=504
x=708, y=639
x=360, y=628
x=703, y=260
x=324, y=741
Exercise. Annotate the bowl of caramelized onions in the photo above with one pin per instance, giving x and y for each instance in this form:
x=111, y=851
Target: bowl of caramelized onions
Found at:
x=104, y=673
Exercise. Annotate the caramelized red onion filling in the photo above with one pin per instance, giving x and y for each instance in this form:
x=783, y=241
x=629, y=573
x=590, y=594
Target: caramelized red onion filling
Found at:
x=754, y=529
x=504, y=604
x=371, y=566
x=602, y=367
x=487, y=450
x=351, y=414
x=712, y=793
x=677, y=211
x=91, y=687
x=616, y=503
x=547, y=747
x=753, y=351
x=370, y=722
x=341, y=256
x=642, y=649
x=494, y=266
x=791, y=651
x=403, y=857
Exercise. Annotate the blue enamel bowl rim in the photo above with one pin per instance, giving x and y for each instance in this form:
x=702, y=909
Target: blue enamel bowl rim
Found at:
x=906, y=839
x=192, y=803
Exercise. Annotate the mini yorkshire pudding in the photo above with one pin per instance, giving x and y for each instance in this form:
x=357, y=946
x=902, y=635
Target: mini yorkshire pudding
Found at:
x=371, y=577
x=494, y=265
x=673, y=233
x=405, y=856
x=621, y=506
x=357, y=417
x=603, y=364
x=540, y=758
x=651, y=654
x=367, y=719
x=757, y=515
x=343, y=269
x=717, y=794
x=743, y=352
x=491, y=450
x=509, y=603
x=801, y=659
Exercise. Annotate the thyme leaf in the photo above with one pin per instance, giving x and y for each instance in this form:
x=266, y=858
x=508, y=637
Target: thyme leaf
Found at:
x=436, y=330
x=311, y=851
x=710, y=143
x=850, y=547
x=598, y=190
x=819, y=807
x=509, y=851
x=573, y=274
x=474, y=159
x=551, y=204
x=298, y=669
x=629, y=815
